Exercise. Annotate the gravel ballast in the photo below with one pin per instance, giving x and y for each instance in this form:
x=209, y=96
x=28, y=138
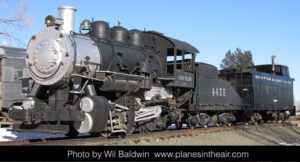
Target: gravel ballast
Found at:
x=275, y=135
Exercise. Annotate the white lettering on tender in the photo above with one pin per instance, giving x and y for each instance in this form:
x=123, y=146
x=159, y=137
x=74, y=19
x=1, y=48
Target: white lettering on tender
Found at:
x=218, y=92
x=273, y=79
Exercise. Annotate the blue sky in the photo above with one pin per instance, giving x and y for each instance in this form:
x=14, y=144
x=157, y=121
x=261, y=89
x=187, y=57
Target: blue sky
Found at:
x=266, y=27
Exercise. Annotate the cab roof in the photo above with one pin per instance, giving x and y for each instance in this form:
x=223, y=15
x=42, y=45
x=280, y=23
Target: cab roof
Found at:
x=177, y=43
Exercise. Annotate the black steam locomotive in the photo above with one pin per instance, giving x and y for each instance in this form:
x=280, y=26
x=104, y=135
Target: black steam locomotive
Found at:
x=118, y=81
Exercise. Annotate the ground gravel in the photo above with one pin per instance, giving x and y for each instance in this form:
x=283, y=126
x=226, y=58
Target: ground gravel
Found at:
x=275, y=135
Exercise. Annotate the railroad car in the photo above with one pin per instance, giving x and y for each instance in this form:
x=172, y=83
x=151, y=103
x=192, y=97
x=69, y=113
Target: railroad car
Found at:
x=12, y=69
x=114, y=80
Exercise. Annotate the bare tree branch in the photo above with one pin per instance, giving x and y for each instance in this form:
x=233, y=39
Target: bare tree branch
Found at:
x=18, y=21
x=9, y=37
x=9, y=21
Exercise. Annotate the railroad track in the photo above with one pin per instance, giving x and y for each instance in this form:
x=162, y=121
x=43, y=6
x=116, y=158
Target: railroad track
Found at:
x=138, y=138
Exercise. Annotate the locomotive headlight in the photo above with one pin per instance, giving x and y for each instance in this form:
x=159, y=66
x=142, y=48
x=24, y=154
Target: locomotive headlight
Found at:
x=50, y=20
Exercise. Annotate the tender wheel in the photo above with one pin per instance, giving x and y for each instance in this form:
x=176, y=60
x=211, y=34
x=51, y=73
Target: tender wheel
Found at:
x=203, y=120
x=226, y=118
x=256, y=117
x=283, y=116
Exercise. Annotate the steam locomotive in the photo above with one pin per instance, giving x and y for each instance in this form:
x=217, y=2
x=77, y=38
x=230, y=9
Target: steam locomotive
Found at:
x=113, y=80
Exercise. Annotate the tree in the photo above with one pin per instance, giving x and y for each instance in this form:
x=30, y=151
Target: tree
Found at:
x=248, y=56
x=14, y=20
x=238, y=59
x=229, y=61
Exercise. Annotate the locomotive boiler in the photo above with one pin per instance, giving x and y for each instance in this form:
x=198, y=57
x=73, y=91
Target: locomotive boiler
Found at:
x=116, y=80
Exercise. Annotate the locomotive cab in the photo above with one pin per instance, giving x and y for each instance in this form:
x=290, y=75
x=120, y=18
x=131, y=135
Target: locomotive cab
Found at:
x=177, y=59
x=180, y=66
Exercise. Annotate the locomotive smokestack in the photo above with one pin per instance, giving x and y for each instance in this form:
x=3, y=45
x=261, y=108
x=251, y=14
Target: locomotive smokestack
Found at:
x=67, y=14
x=273, y=63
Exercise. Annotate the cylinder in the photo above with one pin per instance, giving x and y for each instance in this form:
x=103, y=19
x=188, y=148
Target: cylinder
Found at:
x=110, y=84
x=96, y=111
x=67, y=14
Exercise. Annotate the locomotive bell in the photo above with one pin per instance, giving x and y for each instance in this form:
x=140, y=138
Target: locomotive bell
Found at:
x=85, y=25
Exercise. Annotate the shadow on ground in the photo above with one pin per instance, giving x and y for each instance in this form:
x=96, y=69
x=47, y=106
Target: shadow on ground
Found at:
x=272, y=135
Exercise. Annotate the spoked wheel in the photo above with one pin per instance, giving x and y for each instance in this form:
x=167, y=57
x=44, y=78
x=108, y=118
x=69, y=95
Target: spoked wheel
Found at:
x=215, y=121
x=226, y=118
x=156, y=124
x=203, y=119
x=190, y=125
x=147, y=126
x=256, y=117
x=283, y=116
